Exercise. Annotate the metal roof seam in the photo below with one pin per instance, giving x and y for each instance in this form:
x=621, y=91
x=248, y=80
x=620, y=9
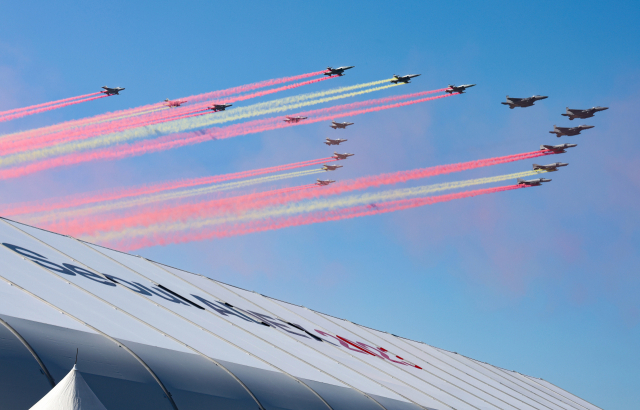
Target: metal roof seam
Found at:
x=177, y=340
x=419, y=378
x=320, y=370
x=30, y=349
x=521, y=385
x=560, y=388
x=540, y=388
x=353, y=387
x=439, y=368
x=454, y=356
x=367, y=329
x=116, y=341
x=267, y=297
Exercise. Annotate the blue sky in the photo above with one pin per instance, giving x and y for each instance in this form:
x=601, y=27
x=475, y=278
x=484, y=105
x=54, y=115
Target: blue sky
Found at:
x=544, y=281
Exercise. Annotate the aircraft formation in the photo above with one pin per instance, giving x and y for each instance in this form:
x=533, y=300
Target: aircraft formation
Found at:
x=178, y=109
x=572, y=113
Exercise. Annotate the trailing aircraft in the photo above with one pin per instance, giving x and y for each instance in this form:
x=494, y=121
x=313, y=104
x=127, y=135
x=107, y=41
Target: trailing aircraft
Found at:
x=112, y=91
x=513, y=102
x=403, y=78
x=337, y=71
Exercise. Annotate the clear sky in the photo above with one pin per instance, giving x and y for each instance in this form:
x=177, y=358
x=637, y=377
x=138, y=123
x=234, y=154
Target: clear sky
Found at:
x=544, y=281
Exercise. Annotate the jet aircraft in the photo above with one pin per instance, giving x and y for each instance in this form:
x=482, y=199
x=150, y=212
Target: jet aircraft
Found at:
x=558, y=149
x=574, y=113
x=219, y=107
x=341, y=156
x=403, y=78
x=569, y=131
x=336, y=125
x=533, y=182
x=331, y=167
x=337, y=71
x=329, y=141
x=324, y=182
x=513, y=102
x=112, y=91
x=294, y=119
x=176, y=103
x=549, y=167
x=458, y=88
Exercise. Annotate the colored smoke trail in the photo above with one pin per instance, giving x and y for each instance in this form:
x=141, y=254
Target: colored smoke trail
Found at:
x=47, y=108
x=210, y=213
x=132, y=243
x=47, y=219
x=175, y=114
x=173, y=141
x=250, y=87
x=115, y=195
x=270, y=107
x=33, y=107
x=150, y=107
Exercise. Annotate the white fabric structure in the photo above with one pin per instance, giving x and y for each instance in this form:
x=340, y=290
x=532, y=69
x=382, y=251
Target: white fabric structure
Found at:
x=154, y=337
x=72, y=393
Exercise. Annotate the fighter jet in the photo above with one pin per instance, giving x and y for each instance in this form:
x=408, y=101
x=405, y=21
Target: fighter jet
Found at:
x=558, y=149
x=336, y=125
x=112, y=91
x=403, y=78
x=294, y=119
x=219, y=107
x=176, y=103
x=574, y=113
x=550, y=167
x=329, y=141
x=341, y=156
x=337, y=71
x=331, y=167
x=323, y=182
x=569, y=131
x=458, y=88
x=533, y=182
x=513, y=102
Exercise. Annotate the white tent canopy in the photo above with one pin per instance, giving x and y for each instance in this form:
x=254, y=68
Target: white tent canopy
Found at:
x=72, y=393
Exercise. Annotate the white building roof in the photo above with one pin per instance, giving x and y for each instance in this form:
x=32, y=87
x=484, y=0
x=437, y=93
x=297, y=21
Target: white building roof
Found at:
x=153, y=336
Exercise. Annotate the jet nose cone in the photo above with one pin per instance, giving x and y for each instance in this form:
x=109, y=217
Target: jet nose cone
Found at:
x=542, y=97
x=571, y=145
x=602, y=108
x=586, y=127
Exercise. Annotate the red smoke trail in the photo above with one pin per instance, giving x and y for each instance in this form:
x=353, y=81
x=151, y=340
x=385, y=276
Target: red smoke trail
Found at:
x=249, y=87
x=150, y=216
x=85, y=199
x=130, y=244
x=33, y=107
x=178, y=113
x=47, y=108
x=194, y=137
x=133, y=111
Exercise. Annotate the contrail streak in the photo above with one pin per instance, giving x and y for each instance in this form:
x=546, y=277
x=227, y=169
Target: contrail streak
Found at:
x=142, y=119
x=114, y=195
x=47, y=108
x=119, y=132
x=183, y=139
x=33, y=107
x=151, y=107
x=132, y=243
x=226, y=210
x=163, y=196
